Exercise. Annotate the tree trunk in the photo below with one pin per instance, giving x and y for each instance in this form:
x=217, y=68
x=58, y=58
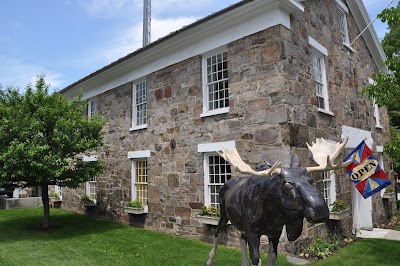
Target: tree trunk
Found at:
x=46, y=208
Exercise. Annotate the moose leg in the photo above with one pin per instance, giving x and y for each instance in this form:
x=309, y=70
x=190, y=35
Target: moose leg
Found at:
x=272, y=250
x=222, y=222
x=254, y=248
x=243, y=246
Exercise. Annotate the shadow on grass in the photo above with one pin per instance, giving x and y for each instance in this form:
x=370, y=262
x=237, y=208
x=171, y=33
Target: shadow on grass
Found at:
x=23, y=224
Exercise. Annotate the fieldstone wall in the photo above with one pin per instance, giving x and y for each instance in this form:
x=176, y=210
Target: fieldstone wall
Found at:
x=273, y=113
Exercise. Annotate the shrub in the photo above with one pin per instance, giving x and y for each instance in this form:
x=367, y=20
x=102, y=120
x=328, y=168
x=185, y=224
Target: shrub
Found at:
x=338, y=206
x=211, y=211
x=136, y=203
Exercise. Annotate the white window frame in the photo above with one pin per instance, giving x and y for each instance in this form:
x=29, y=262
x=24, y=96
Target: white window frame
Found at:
x=210, y=149
x=89, y=185
x=92, y=107
x=135, y=104
x=343, y=27
x=376, y=108
x=138, y=156
x=58, y=190
x=329, y=180
x=321, y=53
x=379, y=151
x=206, y=109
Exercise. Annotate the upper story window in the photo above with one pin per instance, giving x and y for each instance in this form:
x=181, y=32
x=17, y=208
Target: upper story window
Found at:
x=139, y=105
x=376, y=108
x=216, y=171
x=139, y=178
x=215, y=82
x=318, y=55
x=92, y=107
x=343, y=11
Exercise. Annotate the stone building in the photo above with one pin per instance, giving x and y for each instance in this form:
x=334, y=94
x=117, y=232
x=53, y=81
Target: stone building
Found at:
x=264, y=76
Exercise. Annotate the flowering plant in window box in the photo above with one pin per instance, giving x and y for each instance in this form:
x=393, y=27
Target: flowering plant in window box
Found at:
x=87, y=202
x=339, y=210
x=209, y=215
x=389, y=192
x=135, y=207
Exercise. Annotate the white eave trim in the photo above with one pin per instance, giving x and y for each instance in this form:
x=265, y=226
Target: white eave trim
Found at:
x=360, y=14
x=235, y=24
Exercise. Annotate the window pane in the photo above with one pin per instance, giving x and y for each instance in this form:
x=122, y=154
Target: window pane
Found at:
x=219, y=173
x=217, y=81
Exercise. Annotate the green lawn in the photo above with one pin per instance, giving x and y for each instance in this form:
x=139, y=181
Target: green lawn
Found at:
x=86, y=241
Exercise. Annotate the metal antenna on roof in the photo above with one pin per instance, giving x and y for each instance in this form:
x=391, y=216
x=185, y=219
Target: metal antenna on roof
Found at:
x=146, y=22
x=369, y=24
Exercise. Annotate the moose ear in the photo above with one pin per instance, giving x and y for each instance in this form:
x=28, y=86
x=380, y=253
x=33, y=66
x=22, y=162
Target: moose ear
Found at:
x=263, y=165
x=296, y=162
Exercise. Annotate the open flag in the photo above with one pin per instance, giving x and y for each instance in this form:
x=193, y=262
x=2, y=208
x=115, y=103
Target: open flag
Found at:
x=366, y=172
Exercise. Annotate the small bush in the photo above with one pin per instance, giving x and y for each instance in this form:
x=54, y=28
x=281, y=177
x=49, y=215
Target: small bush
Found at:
x=211, y=211
x=136, y=203
x=338, y=206
x=85, y=198
x=321, y=249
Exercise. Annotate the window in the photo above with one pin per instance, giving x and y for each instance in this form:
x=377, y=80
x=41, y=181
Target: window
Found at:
x=58, y=190
x=342, y=19
x=139, y=110
x=215, y=83
x=139, y=177
x=318, y=54
x=329, y=187
x=140, y=182
x=91, y=190
x=216, y=171
x=91, y=186
x=376, y=108
x=92, y=107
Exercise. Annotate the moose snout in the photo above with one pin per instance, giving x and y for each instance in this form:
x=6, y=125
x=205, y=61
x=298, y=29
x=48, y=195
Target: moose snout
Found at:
x=317, y=214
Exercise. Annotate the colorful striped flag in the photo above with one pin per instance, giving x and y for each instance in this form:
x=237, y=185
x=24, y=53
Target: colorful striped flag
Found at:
x=365, y=171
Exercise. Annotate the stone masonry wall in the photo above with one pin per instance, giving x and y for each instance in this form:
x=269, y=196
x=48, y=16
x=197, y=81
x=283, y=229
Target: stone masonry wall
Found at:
x=273, y=113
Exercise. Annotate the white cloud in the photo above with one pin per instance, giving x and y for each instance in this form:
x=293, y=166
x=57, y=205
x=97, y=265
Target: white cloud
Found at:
x=104, y=8
x=19, y=73
x=130, y=39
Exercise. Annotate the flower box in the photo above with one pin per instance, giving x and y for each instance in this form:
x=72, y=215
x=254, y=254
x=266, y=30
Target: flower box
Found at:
x=88, y=203
x=55, y=202
x=206, y=219
x=338, y=215
x=132, y=210
x=387, y=195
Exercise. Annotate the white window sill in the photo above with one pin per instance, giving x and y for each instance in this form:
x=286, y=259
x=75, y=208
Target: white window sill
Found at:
x=347, y=45
x=138, y=127
x=132, y=210
x=215, y=112
x=325, y=112
x=379, y=126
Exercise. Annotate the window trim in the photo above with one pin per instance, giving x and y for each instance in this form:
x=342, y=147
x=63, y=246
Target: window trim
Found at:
x=89, y=107
x=376, y=108
x=91, y=158
x=320, y=51
x=134, y=125
x=206, y=112
x=134, y=156
x=332, y=189
x=210, y=149
x=342, y=8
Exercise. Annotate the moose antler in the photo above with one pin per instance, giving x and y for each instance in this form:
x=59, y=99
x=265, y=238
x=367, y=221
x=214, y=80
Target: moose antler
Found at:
x=232, y=156
x=324, y=153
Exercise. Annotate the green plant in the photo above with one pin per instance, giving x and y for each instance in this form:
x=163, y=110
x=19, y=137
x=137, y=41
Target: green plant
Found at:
x=53, y=195
x=338, y=206
x=211, y=211
x=136, y=203
x=389, y=189
x=85, y=198
x=318, y=248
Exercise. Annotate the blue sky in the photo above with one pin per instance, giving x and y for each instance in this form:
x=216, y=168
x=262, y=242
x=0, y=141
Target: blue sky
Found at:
x=69, y=39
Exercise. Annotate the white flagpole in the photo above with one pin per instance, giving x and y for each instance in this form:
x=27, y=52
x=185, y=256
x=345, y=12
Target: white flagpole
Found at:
x=369, y=24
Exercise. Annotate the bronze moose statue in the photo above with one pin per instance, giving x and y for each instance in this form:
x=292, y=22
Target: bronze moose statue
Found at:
x=262, y=206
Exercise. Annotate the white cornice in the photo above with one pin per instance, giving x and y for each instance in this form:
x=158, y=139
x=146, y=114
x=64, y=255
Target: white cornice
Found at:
x=362, y=19
x=235, y=24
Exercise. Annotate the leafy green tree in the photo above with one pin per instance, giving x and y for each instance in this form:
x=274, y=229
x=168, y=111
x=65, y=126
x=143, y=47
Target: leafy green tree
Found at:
x=386, y=90
x=43, y=137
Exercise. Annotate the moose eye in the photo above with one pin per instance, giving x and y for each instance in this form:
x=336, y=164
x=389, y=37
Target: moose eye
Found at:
x=288, y=185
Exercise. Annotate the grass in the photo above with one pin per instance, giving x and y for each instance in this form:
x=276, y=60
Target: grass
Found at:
x=86, y=241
